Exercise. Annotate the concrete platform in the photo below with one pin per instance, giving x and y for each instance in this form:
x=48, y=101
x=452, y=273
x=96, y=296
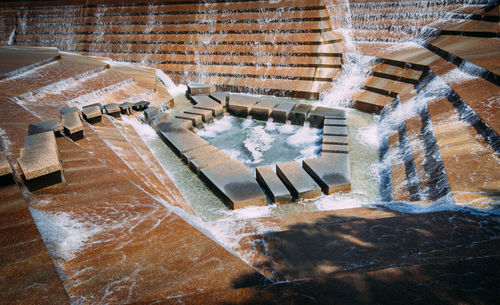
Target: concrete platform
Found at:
x=299, y=114
x=319, y=114
x=44, y=126
x=344, y=140
x=205, y=102
x=220, y=97
x=296, y=179
x=334, y=148
x=127, y=108
x=150, y=113
x=199, y=88
x=206, y=115
x=72, y=124
x=274, y=187
x=334, y=131
x=112, y=109
x=335, y=122
x=195, y=119
x=40, y=166
x=141, y=106
x=46, y=138
x=197, y=164
x=70, y=109
x=92, y=114
x=101, y=107
x=235, y=183
x=281, y=113
x=159, y=118
x=331, y=172
x=199, y=152
x=17, y=59
x=180, y=139
x=241, y=105
x=262, y=110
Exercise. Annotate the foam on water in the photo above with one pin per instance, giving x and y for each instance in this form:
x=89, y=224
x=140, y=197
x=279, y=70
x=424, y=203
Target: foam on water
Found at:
x=217, y=127
x=257, y=143
x=457, y=76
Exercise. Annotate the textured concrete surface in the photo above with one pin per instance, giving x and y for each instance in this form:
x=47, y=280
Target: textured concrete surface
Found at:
x=318, y=115
x=332, y=172
x=262, y=110
x=46, y=138
x=207, y=160
x=300, y=184
x=43, y=126
x=181, y=139
x=241, y=105
x=334, y=148
x=195, y=119
x=299, y=114
x=281, y=113
x=198, y=88
x=335, y=140
x=334, y=131
x=199, y=152
x=274, y=187
x=205, y=114
x=39, y=160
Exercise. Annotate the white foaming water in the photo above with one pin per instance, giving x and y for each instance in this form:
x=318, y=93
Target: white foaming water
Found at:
x=11, y=37
x=219, y=126
x=258, y=142
x=172, y=89
x=457, y=76
x=369, y=135
x=305, y=136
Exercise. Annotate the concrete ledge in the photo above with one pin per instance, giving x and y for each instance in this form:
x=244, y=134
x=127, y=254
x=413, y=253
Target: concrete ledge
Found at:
x=101, y=107
x=180, y=139
x=220, y=97
x=199, y=88
x=38, y=160
x=299, y=114
x=150, y=113
x=92, y=114
x=199, y=152
x=262, y=110
x=343, y=140
x=73, y=127
x=205, y=102
x=44, y=126
x=335, y=122
x=281, y=113
x=235, y=183
x=45, y=138
x=334, y=148
x=206, y=115
x=241, y=105
x=69, y=110
x=197, y=164
x=159, y=118
x=295, y=178
x=319, y=114
x=112, y=109
x=126, y=108
x=274, y=187
x=195, y=119
x=140, y=106
x=331, y=172
x=335, y=131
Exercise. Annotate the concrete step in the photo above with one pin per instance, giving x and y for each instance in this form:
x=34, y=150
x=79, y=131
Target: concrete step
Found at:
x=297, y=180
x=180, y=139
x=332, y=172
x=211, y=159
x=274, y=187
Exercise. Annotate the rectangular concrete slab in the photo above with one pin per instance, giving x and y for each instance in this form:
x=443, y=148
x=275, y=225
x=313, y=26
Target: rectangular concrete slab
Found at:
x=295, y=178
x=206, y=115
x=46, y=138
x=151, y=112
x=159, y=118
x=241, y=105
x=112, y=109
x=274, y=187
x=299, y=114
x=199, y=152
x=319, y=114
x=180, y=139
x=70, y=109
x=335, y=122
x=38, y=160
x=334, y=131
x=235, y=183
x=43, y=126
x=220, y=97
x=331, y=172
x=262, y=110
x=73, y=126
x=334, y=148
x=208, y=160
x=199, y=88
x=281, y=113
x=92, y=114
x=127, y=108
x=344, y=140
x=204, y=102
x=194, y=118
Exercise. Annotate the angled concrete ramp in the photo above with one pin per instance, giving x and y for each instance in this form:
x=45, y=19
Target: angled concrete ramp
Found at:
x=17, y=60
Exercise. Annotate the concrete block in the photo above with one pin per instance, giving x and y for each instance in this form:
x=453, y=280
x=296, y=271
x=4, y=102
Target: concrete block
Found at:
x=73, y=127
x=195, y=119
x=70, y=109
x=199, y=88
x=44, y=126
x=199, y=152
x=235, y=183
x=282, y=112
x=180, y=139
x=159, y=118
x=40, y=166
x=318, y=115
x=6, y=177
x=295, y=178
x=141, y=106
x=331, y=172
x=334, y=122
x=334, y=131
x=334, y=148
x=112, y=109
x=220, y=97
x=205, y=102
x=126, y=108
x=45, y=138
x=150, y=113
x=197, y=164
x=92, y=114
x=274, y=187
x=101, y=107
x=262, y=110
x=241, y=105
x=344, y=140
x=299, y=114
x=206, y=115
